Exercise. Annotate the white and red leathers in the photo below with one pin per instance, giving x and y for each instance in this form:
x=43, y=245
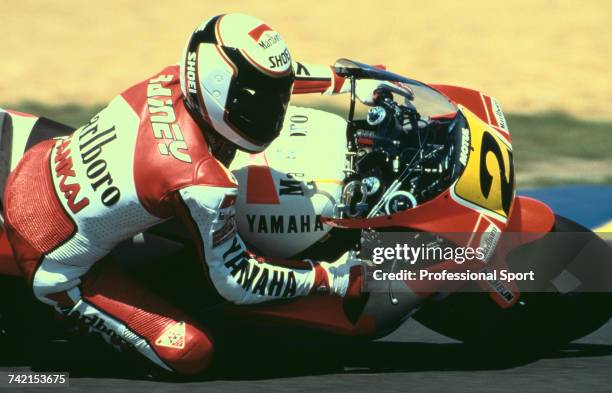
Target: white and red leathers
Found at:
x=138, y=162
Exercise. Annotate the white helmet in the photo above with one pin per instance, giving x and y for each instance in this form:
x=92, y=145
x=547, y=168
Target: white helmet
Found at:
x=237, y=76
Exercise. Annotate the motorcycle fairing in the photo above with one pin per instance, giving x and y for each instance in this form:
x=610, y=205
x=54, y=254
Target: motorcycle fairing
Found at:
x=528, y=215
x=485, y=187
x=482, y=105
x=325, y=313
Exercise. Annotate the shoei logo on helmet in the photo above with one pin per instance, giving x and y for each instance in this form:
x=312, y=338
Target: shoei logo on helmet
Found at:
x=192, y=85
x=280, y=61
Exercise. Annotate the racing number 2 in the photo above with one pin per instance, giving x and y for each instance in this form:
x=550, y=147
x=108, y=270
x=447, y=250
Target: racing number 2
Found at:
x=487, y=182
x=490, y=145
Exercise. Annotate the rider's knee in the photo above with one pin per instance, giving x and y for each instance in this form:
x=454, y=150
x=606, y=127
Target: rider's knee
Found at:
x=191, y=355
x=55, y=287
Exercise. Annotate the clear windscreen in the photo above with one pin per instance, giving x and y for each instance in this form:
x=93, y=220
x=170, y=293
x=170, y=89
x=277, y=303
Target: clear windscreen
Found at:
x=408, y=149
x=430, y=103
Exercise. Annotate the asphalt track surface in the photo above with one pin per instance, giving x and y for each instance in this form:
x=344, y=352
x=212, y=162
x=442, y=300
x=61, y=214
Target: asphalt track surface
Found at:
x=413, y=359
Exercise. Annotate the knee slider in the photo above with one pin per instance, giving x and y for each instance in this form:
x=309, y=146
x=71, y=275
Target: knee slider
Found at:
x=186, y=348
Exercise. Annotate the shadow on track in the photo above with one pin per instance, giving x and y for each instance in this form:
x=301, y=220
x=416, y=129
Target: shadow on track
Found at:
x=382, y=357
x=274, y=358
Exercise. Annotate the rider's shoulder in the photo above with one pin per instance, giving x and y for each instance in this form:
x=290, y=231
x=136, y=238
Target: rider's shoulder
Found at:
x=158, y=178
x=210, y=172
x=163, y=83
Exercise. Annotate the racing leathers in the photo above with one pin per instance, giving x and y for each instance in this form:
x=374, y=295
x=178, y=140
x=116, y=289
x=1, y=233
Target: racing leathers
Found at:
x=138, y=162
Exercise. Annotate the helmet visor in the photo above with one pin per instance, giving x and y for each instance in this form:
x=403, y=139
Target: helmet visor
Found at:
x=257, y=113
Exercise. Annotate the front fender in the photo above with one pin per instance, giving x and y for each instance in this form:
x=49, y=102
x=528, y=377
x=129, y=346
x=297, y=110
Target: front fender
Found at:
x=530, y=216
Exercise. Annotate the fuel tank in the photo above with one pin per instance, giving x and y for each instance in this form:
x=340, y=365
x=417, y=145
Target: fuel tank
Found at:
x=284, y=191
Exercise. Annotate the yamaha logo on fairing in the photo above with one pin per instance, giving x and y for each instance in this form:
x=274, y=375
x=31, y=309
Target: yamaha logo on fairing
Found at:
x=284, y=224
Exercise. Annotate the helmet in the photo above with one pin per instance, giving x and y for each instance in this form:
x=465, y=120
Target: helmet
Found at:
x=236, y=75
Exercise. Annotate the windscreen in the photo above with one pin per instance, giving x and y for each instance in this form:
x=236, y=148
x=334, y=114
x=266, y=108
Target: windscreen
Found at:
x=409, y=148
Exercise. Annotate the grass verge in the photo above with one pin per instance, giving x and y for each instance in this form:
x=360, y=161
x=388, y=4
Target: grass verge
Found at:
x=549, y=148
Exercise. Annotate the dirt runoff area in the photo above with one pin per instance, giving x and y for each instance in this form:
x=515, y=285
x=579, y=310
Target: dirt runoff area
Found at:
x=534, y=55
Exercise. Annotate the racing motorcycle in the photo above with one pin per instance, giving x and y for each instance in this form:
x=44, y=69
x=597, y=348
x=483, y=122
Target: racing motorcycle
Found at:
x=425, y=161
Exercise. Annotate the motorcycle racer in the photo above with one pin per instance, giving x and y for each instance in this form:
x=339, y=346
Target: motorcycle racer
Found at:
x=160, y=150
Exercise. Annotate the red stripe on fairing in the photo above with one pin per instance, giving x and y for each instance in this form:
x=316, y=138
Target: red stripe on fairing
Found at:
x=260, y=183
x=445, y=116
x=503, y=132
x=489, y=106
x=484, y=105
x=469, y=98
x=257, y=32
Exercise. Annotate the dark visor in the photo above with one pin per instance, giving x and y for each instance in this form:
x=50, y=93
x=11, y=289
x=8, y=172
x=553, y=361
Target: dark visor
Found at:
x=257, y=102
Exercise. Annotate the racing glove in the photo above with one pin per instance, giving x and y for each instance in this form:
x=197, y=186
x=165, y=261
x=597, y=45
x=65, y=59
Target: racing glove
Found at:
x=342, y=277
